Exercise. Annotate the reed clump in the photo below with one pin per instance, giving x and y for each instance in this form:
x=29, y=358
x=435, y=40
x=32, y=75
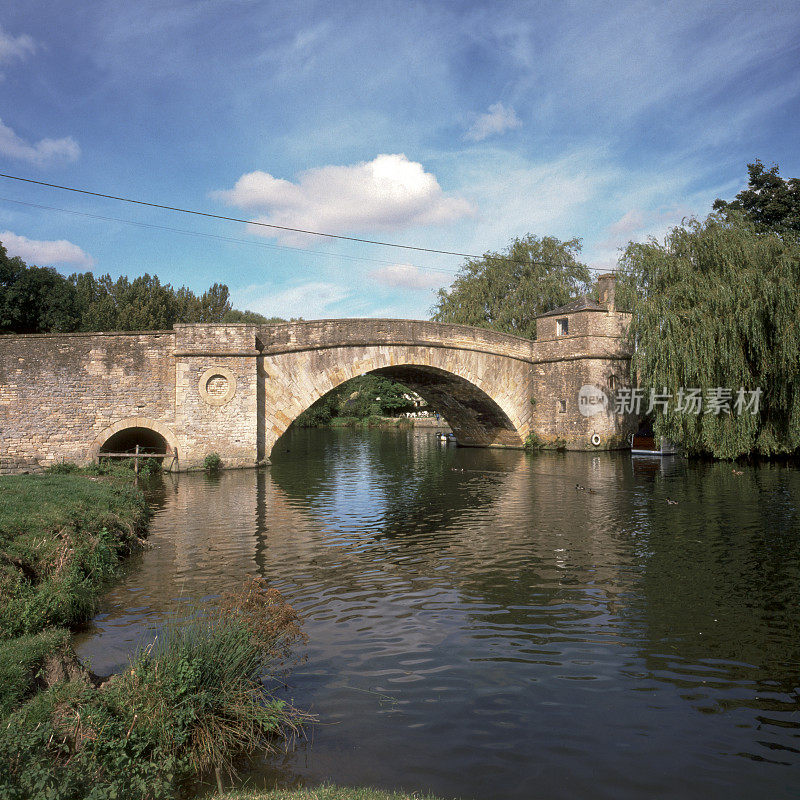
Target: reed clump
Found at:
x=199, y=697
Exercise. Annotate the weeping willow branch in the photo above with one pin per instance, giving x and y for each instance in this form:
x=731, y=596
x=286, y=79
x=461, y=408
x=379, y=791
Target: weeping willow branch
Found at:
x=718, y=305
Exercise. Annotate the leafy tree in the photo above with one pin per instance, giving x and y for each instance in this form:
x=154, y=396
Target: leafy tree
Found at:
x=365, y=396
x=35, y=299
x=144, y=304
x=373, y=395
x=251, y=317
x=96, y=302
x=769, y=201
x=716, y=305
x=505, y=291
x=215, y=303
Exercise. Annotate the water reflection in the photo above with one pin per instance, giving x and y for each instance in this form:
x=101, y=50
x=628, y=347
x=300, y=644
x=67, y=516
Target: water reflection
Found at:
x=480, y=627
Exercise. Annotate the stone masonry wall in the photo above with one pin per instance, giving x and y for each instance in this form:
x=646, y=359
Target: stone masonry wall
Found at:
x=216, y=393
x=595, y=352
x=59, y=392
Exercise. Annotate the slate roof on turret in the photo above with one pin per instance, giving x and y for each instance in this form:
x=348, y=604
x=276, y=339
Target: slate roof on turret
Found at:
x=582, y=303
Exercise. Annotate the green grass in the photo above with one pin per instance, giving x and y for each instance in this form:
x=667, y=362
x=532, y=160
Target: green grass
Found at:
x=21, y=661
x=62, y=537
x=197, y=689
x=325, y=793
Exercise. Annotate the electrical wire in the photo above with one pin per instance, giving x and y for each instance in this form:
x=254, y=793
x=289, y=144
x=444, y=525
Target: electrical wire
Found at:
x=263, y=224
x=223, y=238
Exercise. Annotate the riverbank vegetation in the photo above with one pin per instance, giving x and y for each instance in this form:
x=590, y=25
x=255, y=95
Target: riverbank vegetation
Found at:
x=326, y=793
x=192, y=701
x=716, y=307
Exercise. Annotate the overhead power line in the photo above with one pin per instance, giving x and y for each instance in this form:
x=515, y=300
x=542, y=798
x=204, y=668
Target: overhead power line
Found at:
x=236, y=219
x=260, y=224
x=221, y=237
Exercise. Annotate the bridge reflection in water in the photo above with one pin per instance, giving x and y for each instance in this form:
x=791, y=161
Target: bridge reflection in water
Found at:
x=480, y=627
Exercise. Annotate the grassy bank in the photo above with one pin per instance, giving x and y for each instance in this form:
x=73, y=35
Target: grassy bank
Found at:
x=62, y=537
x=191, y=702
x=326, y=793
x=366, y=422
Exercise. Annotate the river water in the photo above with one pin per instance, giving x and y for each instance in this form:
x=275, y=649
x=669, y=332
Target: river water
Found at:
x=481, y=628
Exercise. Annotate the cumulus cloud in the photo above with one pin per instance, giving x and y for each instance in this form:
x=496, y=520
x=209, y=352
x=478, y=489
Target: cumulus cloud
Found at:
x=498, y=119
x=407, y=276
x=42, y=153
x=15, y=47
x=44, y=253
x=388, y=193
x=308, y=300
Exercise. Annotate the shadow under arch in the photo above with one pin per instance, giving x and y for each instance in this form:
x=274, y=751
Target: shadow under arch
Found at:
x=123, y=436
x=475, y=418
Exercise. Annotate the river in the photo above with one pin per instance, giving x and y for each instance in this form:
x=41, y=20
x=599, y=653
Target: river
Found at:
x=481, y=628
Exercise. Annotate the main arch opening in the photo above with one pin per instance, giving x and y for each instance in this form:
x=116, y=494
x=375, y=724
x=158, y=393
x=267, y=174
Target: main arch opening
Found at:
x=474, y=417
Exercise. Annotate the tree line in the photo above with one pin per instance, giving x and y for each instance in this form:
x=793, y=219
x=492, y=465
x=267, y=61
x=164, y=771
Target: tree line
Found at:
x=41, y=300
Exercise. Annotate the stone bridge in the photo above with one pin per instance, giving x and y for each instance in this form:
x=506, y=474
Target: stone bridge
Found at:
x=235, y=389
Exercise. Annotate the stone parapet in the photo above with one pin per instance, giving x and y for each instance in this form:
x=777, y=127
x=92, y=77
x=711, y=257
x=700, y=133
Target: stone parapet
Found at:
x=234, y=389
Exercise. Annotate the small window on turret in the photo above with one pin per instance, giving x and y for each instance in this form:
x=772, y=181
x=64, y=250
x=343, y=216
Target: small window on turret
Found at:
x=562, y=327
x=562, y=406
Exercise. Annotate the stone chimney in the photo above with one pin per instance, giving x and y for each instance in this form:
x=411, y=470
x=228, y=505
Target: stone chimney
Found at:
x=605, y=287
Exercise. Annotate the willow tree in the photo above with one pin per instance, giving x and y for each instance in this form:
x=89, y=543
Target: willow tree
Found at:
x=717, y=306
x=505, y=291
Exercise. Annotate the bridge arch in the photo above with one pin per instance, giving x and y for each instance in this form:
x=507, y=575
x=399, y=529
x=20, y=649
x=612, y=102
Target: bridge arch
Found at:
x=462, y=386
x=134, y=430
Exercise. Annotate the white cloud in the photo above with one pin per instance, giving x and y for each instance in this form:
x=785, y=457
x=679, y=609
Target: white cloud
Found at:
x=388, y=193
x=497, y=120
x=407, y=276
x=45, y=151
x=308, y=300
x=43, y=253
x=15, y=47
x=631, y=221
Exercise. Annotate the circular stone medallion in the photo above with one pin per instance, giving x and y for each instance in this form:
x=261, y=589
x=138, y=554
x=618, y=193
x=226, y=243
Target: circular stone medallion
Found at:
x=217, y=386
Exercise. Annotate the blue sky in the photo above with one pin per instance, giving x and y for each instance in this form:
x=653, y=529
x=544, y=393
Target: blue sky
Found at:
x=454, y=126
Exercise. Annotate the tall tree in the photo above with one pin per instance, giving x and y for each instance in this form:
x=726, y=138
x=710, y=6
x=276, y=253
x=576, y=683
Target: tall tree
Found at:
x=505, y=291
x=771, y=202
x=35, y=299
x=144, y=304
x=215, y=303
x=716, y=306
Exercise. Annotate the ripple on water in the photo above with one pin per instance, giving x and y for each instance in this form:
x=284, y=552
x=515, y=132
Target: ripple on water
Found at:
x=493, y=633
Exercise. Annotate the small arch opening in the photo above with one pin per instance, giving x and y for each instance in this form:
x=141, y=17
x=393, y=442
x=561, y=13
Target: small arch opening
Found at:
x=129, y=441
